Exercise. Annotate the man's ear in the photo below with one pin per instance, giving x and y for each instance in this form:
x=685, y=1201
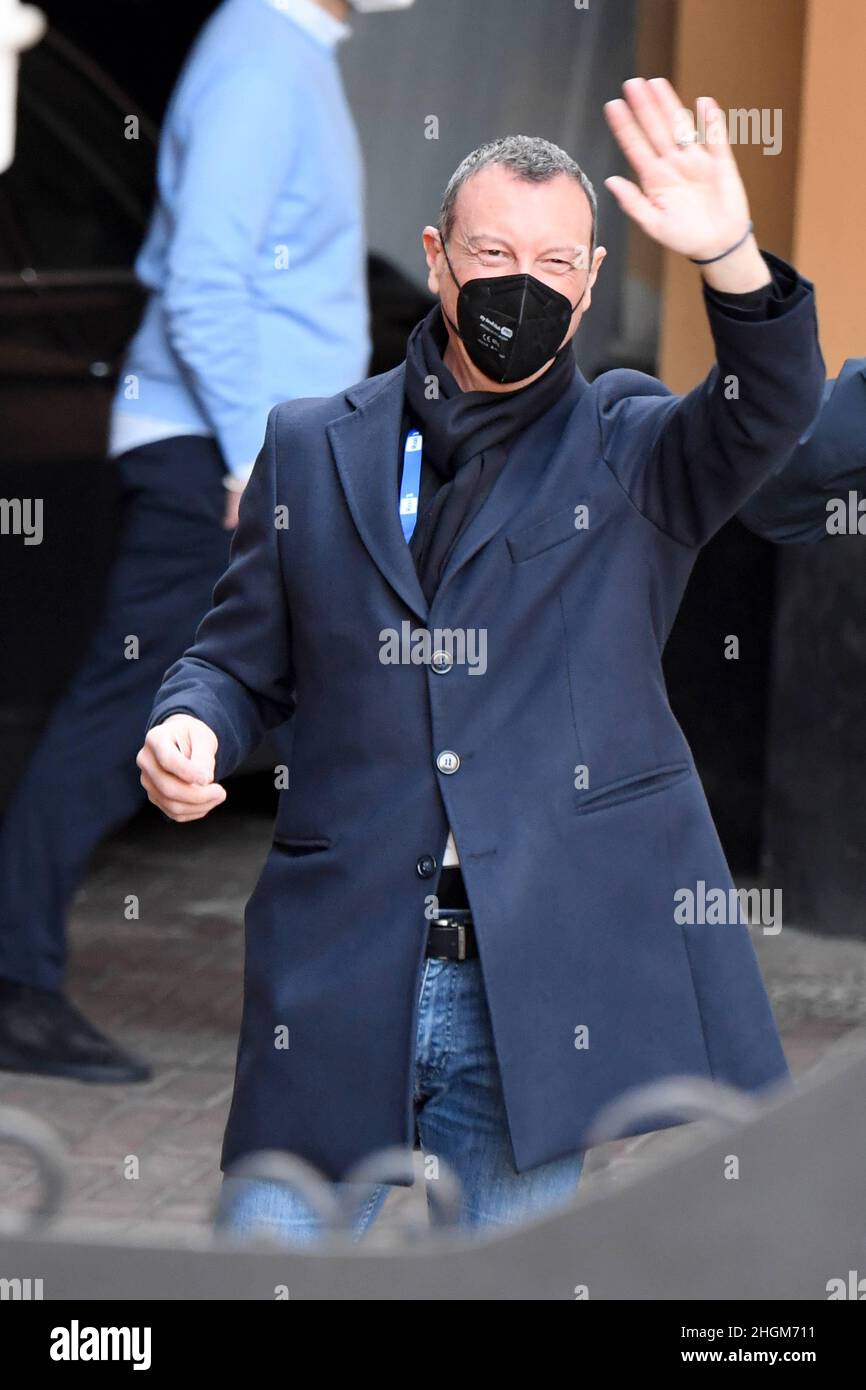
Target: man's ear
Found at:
x=598, y=256
x=432, y=252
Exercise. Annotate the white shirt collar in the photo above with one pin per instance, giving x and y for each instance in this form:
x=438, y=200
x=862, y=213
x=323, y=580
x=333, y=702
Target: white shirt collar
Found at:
x=320, y=25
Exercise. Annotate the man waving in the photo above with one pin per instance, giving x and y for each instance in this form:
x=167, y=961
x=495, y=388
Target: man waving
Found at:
x=467, y=927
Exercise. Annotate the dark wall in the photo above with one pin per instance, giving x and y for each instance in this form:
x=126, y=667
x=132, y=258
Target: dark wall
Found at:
x=141, y=43
x=816, y=812
x=722, y=704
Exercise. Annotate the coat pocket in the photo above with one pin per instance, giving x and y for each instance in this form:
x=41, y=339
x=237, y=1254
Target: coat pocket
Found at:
x=543, y=535
x=624, y=789
x=297, y=846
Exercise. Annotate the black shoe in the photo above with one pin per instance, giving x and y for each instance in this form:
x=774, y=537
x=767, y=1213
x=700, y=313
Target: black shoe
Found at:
x=42, y=1033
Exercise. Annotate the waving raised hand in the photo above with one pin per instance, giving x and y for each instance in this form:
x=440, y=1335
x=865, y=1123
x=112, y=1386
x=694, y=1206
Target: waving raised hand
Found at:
x=689, y=196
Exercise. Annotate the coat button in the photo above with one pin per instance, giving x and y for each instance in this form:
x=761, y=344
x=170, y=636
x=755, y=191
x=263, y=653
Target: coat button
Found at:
x=447, y=761
x=426, y=866
x=441, y=662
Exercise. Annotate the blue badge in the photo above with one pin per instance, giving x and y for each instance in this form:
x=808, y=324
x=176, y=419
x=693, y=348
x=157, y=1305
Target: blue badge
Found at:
x=410, y=483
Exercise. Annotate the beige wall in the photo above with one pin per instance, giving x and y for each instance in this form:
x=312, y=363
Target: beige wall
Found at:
x=744, y=53
x=830, y=204
x=653, y=58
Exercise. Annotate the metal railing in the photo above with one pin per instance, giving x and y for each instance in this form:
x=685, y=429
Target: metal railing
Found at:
x=771, y=1205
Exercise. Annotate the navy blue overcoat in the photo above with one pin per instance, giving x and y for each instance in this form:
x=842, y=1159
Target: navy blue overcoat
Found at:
x=575, y=807
x=828, y=465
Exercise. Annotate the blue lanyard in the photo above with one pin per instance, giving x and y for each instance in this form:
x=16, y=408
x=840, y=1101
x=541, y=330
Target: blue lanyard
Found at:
x=410, y=483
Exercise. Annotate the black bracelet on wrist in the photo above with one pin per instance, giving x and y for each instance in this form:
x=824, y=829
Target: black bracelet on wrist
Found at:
x=710, y=260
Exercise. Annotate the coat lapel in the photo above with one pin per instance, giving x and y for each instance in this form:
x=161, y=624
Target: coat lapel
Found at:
x=366, y=446
x=517, y=482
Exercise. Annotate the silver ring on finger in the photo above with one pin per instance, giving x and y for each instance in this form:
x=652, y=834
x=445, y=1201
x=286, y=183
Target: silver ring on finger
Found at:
x=684, y=132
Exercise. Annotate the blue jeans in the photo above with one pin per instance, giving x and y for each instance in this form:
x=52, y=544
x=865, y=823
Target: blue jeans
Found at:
x=460, y=1118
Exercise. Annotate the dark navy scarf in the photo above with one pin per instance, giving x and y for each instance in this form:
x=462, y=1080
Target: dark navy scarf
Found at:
x=467, y=436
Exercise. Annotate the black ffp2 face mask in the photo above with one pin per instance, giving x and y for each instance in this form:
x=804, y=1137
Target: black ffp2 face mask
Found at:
x=510, y=325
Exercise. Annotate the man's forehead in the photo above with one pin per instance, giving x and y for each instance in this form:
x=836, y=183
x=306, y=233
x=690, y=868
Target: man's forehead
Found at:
x=496, y=202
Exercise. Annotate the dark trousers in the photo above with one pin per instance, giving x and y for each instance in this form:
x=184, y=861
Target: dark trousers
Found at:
x=82, y=780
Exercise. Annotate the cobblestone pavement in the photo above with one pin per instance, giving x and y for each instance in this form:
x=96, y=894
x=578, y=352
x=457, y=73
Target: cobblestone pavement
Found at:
x=168, y=986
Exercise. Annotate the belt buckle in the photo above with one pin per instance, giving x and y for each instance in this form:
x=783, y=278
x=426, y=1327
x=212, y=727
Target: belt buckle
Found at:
x=460, y=928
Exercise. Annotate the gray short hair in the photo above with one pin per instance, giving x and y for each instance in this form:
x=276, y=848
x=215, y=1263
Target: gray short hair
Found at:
x=527, y=156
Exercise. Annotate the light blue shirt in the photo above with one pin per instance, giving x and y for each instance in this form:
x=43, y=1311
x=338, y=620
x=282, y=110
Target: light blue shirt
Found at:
x=254, y=257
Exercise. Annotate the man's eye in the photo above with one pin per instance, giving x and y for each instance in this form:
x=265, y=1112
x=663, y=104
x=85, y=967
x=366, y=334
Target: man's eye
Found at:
x=492, y=251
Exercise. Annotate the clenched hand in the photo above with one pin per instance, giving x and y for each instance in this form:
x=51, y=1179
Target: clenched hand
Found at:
x=177, y=768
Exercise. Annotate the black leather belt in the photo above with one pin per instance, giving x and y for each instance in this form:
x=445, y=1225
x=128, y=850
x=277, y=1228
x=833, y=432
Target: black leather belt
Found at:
x=451, y=936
